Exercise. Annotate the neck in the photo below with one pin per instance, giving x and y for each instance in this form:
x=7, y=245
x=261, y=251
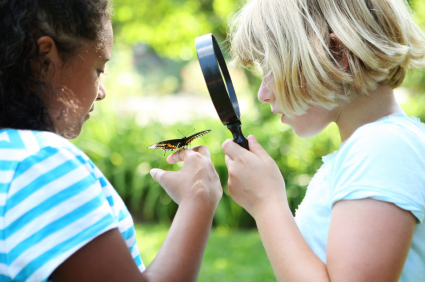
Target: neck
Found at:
x=365, y=109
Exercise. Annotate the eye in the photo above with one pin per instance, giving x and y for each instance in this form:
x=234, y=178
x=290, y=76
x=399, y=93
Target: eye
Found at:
x=100, y=71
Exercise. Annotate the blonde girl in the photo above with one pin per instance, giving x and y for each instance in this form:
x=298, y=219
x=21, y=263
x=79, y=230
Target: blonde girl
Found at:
x=336, y=61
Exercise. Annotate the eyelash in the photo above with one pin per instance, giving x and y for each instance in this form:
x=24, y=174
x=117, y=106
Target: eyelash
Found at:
x=101, y=72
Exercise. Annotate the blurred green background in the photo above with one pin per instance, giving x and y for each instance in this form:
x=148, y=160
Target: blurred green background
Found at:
x=155, y=88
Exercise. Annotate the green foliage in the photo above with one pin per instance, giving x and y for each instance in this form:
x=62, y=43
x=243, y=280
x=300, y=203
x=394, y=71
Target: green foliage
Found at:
x=170, y=26
x=230, y=255
x=118, y=146
x=419, y=9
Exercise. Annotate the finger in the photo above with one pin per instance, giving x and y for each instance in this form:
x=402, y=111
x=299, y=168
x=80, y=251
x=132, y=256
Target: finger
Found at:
x=227, y=161
x=156, y=173
x=179, y=156
x=232, y=149
x=172, y=159
x=255, y=147
x=226, y=147
x=203, y=150
x=162, y=177
x=165, y=179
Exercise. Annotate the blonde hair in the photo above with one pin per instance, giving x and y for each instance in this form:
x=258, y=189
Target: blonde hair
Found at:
x=290, y=40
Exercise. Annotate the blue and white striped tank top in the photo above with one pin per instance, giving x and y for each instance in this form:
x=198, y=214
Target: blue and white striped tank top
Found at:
x=53, y=201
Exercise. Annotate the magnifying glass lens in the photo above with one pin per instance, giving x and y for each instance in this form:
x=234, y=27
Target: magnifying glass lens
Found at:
x=220, y=85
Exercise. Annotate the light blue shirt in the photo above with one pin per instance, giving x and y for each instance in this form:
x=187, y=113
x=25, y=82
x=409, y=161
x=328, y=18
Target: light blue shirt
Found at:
x=53, y=201
x=382, y=160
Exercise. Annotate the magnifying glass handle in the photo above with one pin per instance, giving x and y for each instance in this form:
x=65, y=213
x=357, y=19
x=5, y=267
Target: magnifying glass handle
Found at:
x=238, y=137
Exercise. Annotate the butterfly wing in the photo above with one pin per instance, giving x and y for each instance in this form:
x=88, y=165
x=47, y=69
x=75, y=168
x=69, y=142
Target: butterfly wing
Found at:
x=168, y=145
x=194, y=136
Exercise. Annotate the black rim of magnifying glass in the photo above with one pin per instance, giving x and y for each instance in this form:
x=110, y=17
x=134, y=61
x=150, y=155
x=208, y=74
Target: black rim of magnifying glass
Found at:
x=217, y=78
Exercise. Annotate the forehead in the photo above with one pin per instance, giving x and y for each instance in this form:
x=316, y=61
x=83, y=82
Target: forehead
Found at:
x=106, y=39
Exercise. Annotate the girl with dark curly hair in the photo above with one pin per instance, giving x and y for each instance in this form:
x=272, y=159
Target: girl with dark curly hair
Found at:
x=60, y=219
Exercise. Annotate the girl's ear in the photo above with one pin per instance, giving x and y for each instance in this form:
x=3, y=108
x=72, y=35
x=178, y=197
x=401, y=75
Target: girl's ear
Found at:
x=339, y=51
x=49, y=58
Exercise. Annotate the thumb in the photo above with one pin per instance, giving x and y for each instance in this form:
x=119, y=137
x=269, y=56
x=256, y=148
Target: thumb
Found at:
x=156, y=174
x=165, y=178
x=255, y=147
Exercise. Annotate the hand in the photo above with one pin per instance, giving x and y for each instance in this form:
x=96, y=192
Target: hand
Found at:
x=255, y=180
x=197, y=180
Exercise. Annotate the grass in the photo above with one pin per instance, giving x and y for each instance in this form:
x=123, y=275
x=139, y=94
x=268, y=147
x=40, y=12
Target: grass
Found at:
x=231, y=255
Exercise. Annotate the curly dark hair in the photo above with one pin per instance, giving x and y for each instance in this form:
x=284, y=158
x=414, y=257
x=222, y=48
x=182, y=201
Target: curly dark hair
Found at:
x=70, y=23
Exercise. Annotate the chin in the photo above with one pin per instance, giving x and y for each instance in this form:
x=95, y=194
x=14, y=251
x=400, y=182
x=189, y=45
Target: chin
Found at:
x=305, y=132
x=71, y=132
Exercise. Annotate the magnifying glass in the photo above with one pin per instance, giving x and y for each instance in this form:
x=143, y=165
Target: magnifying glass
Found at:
x=220, y=86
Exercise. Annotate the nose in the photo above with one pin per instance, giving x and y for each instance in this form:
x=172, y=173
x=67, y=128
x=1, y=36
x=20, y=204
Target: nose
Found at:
x=102, y=92
x=264, y=93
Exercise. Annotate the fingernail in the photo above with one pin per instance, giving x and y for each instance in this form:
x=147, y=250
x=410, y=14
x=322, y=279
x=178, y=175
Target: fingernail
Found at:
x=153, y=172
x=252, y=138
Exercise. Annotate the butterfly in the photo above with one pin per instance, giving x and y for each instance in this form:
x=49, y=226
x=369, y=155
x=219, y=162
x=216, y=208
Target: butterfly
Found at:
x=173, y=144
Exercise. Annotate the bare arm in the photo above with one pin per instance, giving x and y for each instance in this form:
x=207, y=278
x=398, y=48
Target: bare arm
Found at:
x=197, y=190
x=368, y=239
x=182, y=251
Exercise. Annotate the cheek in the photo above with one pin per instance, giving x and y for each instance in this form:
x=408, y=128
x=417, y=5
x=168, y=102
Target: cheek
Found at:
x=87, y=90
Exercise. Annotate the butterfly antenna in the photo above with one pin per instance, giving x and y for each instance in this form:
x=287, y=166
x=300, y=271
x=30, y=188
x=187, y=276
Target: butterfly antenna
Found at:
x=180, y=132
